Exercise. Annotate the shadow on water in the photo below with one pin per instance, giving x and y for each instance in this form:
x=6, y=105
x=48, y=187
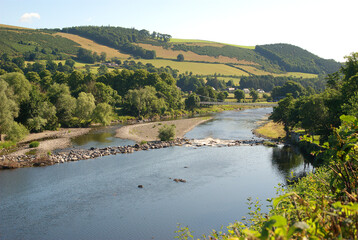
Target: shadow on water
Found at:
x=290, y=163
x=100, y=137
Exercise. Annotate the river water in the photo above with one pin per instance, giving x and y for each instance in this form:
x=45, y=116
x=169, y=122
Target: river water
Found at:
x=100, y=198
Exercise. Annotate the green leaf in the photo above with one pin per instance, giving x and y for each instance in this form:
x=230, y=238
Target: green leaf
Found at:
x=277, y=200
x=280, y=221
x=347, y=118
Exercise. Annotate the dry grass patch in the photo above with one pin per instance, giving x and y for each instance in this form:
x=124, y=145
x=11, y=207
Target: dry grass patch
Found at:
x=271, y=130
x=93, y=46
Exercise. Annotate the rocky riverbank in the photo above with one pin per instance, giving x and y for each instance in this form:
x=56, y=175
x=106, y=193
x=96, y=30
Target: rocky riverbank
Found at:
x=18, y=161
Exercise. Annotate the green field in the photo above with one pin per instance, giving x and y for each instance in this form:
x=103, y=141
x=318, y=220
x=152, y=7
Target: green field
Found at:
x=178, y=40
x=196, y=68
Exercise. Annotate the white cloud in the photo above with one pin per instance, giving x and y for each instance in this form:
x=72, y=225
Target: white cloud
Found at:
x=28, y=17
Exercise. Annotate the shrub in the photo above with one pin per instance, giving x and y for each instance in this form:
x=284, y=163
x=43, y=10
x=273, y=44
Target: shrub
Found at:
x=167, y=133
x=34, y=144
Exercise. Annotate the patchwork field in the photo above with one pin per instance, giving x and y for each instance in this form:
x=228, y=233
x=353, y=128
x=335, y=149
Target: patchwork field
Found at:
x=190, y=56
x=93, y=46
x=196, y=68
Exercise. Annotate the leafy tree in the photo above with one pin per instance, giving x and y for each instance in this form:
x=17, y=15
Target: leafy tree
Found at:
x=65, y=108
x=70, y=62
x=76, y=82
x=51, y=66
x=351, y=107
x=180, y=57
x=16, y=132
x=104, y=93
x=103, y=56
x=296, y=89
x=44, y=118
x=283, y=113
x=206, y=93
x=254, y=94
x=103, y=69
x=215, y=83
x=8, y=108
x=313, y=114
x=56, y=90
x=167, y=133
x=20, y=85
x=85, y=105
x=222, y=96
x=143, y=101
x=192, y=102
x=86, y=56
x=33, y=77
x=239, y=95
x=103, y=114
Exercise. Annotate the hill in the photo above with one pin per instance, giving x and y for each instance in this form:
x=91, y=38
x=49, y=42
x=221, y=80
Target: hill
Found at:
x=125, y=43
x=295, y=59
x=35, y=44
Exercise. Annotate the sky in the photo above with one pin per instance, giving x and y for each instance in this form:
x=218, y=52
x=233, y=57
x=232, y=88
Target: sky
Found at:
x=327, y=28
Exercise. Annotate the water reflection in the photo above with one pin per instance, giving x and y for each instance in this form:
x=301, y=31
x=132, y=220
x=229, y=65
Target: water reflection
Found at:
x=288, y=160
x=100, y=137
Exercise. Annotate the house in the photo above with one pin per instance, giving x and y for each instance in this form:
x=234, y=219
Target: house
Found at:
x=230, y=89
x=260, y=91
x=246, y=90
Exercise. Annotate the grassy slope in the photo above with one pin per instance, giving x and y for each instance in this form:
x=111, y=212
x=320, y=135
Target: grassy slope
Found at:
x=193, y=41
x=93, y=46
x=196, y=68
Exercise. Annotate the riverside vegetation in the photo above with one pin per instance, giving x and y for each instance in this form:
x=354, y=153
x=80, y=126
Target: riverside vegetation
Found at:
x=324, y=204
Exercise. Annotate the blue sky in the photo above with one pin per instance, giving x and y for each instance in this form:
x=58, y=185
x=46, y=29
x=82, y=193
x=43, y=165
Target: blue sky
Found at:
x=324, y=27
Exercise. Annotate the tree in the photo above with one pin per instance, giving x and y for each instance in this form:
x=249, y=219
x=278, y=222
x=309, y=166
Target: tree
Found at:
x=180, y=57
x=103, y=114
x=296, y=89
x=254, y=94
x=313, y=114
x=103, y=56
x=20, y=85
x=283, y=113
x=239, y=95
x=8, y=108
x=65, y=108
x=143, y=101
x=222, y=96
x=70, y=62
x=85, y=105
x=104, y=93
x=103, y=69
x=192, y=102
x=167, y=133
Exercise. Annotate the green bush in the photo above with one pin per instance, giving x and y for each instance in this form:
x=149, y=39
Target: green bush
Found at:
x=166, y=133
x=34, y=144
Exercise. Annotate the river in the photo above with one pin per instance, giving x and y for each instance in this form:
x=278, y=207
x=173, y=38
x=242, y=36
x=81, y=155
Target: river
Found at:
x=100, y=198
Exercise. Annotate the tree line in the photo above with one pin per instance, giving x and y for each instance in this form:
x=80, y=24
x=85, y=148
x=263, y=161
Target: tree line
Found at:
x=319, y=113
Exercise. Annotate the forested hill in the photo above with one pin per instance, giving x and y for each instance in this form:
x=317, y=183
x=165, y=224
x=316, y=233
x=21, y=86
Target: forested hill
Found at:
x=274, y=58
x=116, y=37
x=296, y=59
x=271, y=58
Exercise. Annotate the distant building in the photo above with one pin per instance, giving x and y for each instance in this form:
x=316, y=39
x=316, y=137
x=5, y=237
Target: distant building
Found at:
x=230, y=89
x=246, y=90
x=260, y=91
